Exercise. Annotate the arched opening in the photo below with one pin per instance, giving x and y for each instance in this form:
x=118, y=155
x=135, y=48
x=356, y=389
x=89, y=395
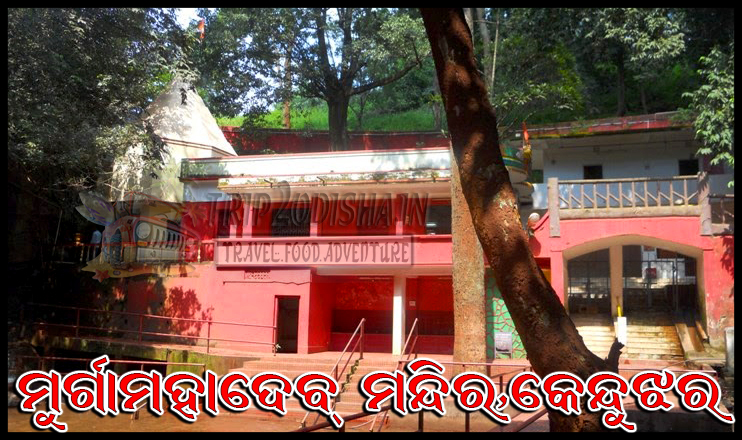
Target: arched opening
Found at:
x=642, y=270
x=655, y=284
x=589, y=284
x=658, y=280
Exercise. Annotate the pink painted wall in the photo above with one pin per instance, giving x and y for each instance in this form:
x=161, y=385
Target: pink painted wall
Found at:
x=717, y=253
x=234, y=295
x=321, y=303
x=719, y=281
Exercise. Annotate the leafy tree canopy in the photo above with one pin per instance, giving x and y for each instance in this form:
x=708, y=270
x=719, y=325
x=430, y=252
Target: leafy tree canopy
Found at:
x=331, y=55
x=713, y=106
x=79, y=80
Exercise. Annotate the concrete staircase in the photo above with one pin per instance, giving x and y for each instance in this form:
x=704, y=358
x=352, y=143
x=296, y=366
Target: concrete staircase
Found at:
x=351, y=400
x=292, y=366
x=597, y=332
x=652, y=335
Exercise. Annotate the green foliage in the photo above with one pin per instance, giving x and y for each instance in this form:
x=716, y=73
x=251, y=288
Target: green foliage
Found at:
x=713, y=104
x=535, y=80
x=78, y=81
x=257, y=58
x=239, y=58
x=315, y=118
x=646, y=35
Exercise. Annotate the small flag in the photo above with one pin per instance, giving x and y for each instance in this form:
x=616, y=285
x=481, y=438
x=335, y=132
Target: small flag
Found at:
x=526, y=148
x=201, y=25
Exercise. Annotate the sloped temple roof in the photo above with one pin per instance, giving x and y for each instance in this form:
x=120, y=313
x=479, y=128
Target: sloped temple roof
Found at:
x=180, y=117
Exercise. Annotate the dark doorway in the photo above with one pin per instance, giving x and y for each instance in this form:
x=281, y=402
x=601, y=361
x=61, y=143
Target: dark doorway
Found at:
x=589, y=284
x=287, y=324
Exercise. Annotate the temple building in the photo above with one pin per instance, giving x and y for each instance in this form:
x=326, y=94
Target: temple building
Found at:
x=634, y=232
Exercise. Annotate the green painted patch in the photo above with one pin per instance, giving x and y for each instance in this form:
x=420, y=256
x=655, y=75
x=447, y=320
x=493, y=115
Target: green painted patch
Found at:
x=499, y=320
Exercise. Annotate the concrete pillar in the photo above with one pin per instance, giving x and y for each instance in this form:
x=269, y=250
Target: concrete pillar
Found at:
x=399, y=214
x=558, y=275
x=616, y=271
x=729, y=340
x=398, y=315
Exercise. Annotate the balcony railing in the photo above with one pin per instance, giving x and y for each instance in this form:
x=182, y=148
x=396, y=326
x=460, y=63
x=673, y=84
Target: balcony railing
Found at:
x=641, y=197
x=597, y=198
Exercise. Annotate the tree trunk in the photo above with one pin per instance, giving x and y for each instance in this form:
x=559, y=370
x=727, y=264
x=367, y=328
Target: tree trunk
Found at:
x=643, y=92
x=484, y=32
x=469, y=15
x=491, y=79
x=361, y=107
x=436, y=106
x=338, y=122
x=469, y=312
x=548, y=334
x=287, y=89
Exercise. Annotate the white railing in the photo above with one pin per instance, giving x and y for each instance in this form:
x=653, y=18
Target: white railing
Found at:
x=652, y=192
x=641, y=197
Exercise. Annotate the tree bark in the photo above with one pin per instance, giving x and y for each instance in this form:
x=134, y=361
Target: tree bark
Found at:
x=485, y=34
x=491, y=79
x=338, y=122
x=469, y=16
x=287, y=89
x=548, y=334
x=469, y=312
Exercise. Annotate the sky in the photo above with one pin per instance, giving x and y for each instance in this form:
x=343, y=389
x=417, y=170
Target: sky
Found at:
x=185, y=15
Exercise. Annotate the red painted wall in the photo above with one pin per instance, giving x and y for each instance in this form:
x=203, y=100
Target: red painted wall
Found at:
x=348, y=217
x=717, y=253
x=320, y=316
x=297, y=141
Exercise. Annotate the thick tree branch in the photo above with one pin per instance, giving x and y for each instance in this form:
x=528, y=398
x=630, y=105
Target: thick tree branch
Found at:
x=384, y=81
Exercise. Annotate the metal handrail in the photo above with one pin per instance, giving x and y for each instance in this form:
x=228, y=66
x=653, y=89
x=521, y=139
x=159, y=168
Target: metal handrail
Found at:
x=346, y=419
x=87, y=252
x=400, y=365
x=361, y=328
x=414, y=330
x=334, y=372
x=41, y=359
x=141, y=332
x=520, y=427
x=508, y=428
